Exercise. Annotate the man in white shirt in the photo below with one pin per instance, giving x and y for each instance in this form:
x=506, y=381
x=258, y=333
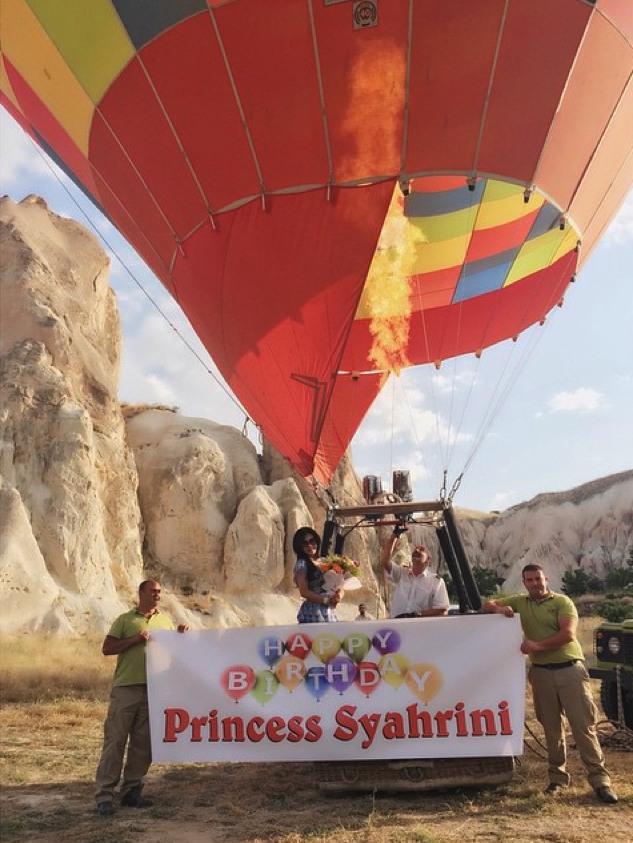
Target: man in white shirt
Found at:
x=418, y=592
x=362, y=613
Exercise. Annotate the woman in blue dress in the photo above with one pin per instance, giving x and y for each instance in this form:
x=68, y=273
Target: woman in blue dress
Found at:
x=318, y=606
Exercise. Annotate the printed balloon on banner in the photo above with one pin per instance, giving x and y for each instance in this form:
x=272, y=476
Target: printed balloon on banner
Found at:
x=356, y=646
x=265, y=687
x=316, y=682
x=340, y=673
x=393, y=669
x=299, y=644
x=424, y=680
x=290, y=671
x=271, y=649
x=386, y=641
x=371, y=198
x=367, y=677
x=325, y=646
x=238, y=681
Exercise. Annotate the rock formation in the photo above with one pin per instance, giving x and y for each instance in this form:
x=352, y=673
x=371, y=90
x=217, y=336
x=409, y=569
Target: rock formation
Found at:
x=94, y=498
x=65, y=467
x=590, y=526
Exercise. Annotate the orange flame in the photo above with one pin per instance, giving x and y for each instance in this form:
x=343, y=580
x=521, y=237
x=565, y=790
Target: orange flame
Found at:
x=386, y=299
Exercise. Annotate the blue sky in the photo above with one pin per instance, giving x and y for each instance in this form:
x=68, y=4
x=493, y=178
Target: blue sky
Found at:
x=551, y=411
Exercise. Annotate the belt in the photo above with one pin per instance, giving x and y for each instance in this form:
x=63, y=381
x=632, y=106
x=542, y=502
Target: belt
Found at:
x=558, y=665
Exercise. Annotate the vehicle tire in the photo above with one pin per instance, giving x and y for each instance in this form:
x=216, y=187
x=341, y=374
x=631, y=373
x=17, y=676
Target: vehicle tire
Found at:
x=609, y=702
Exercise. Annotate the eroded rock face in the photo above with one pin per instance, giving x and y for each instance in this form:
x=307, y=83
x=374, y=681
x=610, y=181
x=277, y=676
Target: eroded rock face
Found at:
x=590, y=526
x=193, y=474
x=61, y=430
x=216, y=533
x=257, y=552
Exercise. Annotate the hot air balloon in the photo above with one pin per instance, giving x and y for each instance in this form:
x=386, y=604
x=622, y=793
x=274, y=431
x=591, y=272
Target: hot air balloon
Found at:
x=335, y=190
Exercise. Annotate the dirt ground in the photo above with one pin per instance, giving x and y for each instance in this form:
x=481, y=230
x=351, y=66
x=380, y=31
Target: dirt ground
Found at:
x=281, y=803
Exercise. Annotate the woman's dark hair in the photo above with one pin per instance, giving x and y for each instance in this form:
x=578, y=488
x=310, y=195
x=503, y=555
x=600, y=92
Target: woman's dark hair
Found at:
x=301, y=535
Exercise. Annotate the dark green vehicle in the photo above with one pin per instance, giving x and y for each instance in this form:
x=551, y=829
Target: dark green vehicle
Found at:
x=613, y=646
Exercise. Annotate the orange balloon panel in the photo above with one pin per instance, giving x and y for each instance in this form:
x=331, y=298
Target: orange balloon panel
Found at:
x=335, y=190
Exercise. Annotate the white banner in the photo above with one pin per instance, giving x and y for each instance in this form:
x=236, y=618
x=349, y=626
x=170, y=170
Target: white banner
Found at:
x=430, y=688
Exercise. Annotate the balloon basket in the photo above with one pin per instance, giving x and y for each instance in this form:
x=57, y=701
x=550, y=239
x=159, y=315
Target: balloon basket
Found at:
x=414, y=774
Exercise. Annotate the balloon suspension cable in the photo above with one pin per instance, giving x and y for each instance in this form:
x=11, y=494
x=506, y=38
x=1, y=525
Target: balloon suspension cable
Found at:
x=346, y=533
x=138, y=283
x=442, y=495
x=454, y=488
x=505, y=383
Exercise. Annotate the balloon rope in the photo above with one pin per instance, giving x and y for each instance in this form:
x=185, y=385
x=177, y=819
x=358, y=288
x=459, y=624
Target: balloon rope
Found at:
x=503, y=388
x=412, y=420
x=452, y=435
x=138, y=283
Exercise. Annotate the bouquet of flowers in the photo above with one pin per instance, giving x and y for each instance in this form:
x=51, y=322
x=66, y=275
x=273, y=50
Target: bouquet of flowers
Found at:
x=340, y=572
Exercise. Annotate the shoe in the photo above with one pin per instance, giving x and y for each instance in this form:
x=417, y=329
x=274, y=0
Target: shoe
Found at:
x=606, y=795
x=105, y=809
x=134, y=799
x=553, y=789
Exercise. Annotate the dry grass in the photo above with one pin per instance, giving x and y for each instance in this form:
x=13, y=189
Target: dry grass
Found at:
x=50, y=743
x=37, y=668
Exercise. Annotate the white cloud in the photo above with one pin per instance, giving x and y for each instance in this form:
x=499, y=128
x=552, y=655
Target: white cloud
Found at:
x=159, y=367
x=20, y=158
x=446, y=384
x=502, y=499
x=402, y=417
x=581, y=400
x=621, y=229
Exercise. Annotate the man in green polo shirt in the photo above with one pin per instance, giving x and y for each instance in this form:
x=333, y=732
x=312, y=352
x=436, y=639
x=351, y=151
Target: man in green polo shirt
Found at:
x=127, y=721
x=560, y=683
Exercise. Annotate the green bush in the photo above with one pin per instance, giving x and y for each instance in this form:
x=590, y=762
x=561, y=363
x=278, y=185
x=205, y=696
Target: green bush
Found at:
x=486, y=579
x=620, y=578
x=575, y=582
x=616, y=611
x=595, y=585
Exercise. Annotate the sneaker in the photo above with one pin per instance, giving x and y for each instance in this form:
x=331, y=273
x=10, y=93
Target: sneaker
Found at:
x=134, y=799
x=606, y=795
x=105, y=809
x=553, y=789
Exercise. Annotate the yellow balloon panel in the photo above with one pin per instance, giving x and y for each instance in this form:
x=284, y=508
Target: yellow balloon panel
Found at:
x=104, y=48
x=49, y=77
x=434, y=256
x=540, y=252
x=497, y=209
x=446, y=226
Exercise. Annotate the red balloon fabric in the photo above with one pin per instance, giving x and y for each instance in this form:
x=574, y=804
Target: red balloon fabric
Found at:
x=334, y=190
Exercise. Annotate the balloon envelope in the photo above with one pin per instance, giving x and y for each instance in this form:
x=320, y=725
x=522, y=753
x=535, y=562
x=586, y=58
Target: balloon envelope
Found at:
x=257, y=155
